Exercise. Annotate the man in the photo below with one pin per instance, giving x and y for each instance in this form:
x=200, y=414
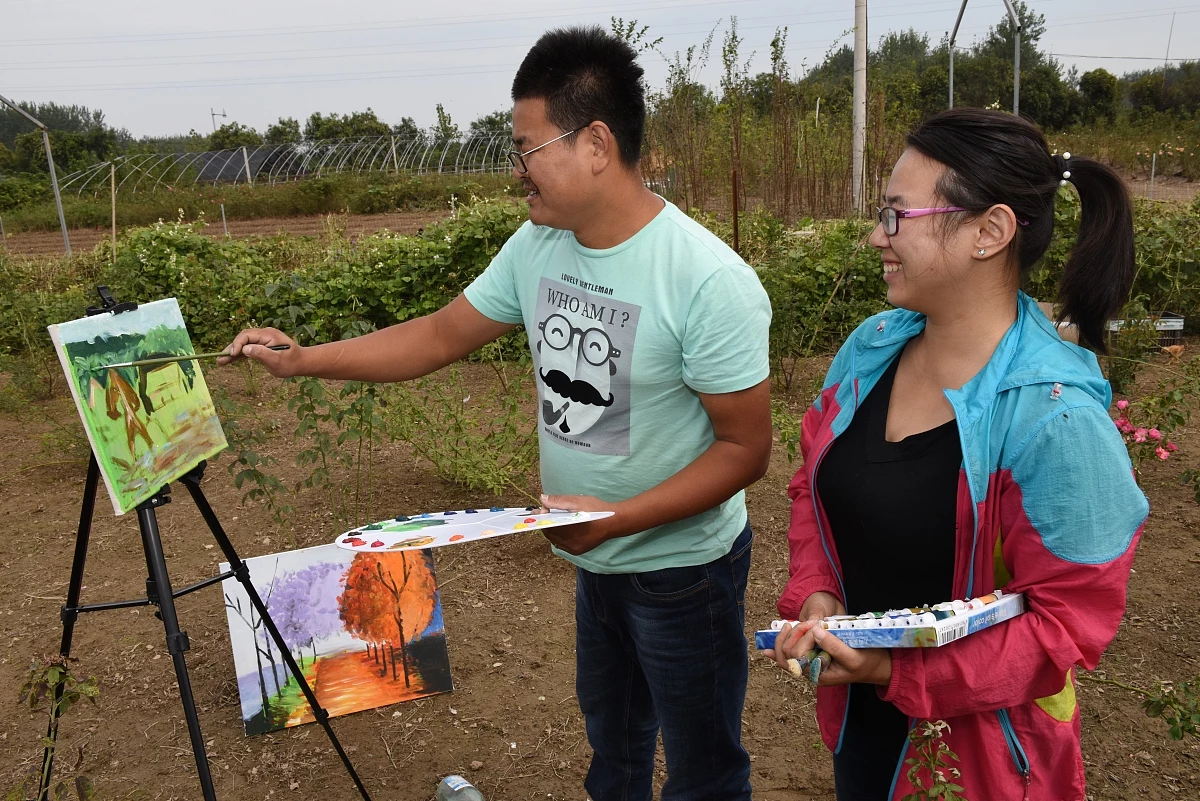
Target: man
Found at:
x=649, y=338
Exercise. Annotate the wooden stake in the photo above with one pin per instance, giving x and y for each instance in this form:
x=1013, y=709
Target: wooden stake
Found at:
x=736, y=249
x=112, y=179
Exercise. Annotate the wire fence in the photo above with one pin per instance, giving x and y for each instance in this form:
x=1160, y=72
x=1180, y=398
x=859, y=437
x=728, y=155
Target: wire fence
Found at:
x=272, y=164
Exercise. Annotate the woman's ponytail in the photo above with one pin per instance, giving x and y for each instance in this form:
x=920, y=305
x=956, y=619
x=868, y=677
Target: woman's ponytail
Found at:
x=1099, y=273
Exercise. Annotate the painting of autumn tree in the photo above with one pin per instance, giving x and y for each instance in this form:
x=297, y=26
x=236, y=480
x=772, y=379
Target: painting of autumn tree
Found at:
x=366, y=629
x=389, y=600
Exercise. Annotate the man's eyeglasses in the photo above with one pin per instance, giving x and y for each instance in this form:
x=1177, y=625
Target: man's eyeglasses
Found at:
x=889, y=217
x=518, y=159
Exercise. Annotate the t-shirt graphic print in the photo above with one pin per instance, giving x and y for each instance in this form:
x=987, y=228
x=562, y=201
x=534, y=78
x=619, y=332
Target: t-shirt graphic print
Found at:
x=582, y=351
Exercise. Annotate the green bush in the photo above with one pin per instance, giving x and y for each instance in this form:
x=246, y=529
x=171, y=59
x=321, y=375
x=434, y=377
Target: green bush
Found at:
x=29, y=206
x=316, y=290
x=822, y=283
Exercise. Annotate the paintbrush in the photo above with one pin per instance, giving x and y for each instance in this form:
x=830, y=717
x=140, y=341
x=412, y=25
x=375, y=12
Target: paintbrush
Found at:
x=170, y=359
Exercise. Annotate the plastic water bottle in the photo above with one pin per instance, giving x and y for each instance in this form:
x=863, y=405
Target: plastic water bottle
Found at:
x=456, y=788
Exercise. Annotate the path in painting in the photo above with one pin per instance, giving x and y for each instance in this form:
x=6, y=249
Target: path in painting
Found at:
x=350, y=681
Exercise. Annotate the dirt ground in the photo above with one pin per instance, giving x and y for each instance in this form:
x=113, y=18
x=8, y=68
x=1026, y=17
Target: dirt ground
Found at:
x=512, y=725
x=42, y=243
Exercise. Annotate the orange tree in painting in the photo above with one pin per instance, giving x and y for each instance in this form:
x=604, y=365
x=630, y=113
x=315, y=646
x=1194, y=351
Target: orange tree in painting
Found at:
x=389, y=600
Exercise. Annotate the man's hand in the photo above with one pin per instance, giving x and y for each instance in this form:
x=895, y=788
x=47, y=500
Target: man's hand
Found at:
x=580, y=537
x=279, y=363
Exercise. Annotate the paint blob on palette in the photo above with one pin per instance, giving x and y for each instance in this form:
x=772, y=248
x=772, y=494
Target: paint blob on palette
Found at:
x=435, y=529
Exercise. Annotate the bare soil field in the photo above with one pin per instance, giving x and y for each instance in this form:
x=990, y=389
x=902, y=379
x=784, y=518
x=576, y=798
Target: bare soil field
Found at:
x=42, y=243
x=512, y=725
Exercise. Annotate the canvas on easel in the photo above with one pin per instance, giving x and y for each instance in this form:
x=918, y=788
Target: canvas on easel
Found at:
x=150, y=425
x=365, y=628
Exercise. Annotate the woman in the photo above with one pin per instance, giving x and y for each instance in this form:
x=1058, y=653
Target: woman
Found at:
x=960, y=446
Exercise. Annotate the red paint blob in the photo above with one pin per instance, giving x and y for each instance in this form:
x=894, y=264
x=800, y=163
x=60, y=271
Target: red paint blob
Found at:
x=457, y=537
x=531, y=520
x=377, y=544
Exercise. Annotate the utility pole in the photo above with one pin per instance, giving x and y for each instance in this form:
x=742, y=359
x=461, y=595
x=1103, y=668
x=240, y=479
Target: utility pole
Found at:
x=62, y=220
x=953, y=38
x=859, y=142
x=1167, y=57
x=214, y=116
x=1016, y=23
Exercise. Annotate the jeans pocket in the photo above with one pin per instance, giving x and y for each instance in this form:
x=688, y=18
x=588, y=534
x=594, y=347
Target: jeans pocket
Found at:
x=671, y=583
x=744, y=550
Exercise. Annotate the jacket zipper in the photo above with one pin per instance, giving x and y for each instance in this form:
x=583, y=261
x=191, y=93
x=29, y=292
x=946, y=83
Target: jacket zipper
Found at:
x=1014, y=748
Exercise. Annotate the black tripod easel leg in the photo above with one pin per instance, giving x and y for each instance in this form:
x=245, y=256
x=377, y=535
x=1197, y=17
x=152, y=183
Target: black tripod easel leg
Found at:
x=159, y=591
x=69, y=615
x=242, y=573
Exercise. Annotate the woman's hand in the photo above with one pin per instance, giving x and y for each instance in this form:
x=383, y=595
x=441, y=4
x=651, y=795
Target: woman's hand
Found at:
x=794, y=642
x=853, y=665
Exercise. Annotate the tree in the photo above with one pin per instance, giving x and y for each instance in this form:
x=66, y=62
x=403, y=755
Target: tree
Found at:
x=233, y=135
x=388, y=601
x=445, y=127
x=364, y=608
x=497, y=123
x=636, y=37
x=70, y=119
x=73, y=150
x=304, y=605
x=284, y=132
x=358, y=125
x=1100, y=93
x=7, y=159
x=254, y=622
x=407, y=129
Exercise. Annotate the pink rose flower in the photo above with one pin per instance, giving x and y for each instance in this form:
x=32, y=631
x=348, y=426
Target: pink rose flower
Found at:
x=1139, y=435
x=1122, y=405
x=1172, y=447
x=1155, y=434
x=1161, y=453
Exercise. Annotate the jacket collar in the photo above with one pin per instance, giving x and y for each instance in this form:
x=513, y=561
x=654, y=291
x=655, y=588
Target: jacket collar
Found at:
x=1030, y=352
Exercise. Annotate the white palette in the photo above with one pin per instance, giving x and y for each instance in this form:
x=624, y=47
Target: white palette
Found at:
x=435, y=529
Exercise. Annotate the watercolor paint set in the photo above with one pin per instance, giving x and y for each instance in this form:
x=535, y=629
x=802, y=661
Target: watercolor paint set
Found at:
x=927, y=627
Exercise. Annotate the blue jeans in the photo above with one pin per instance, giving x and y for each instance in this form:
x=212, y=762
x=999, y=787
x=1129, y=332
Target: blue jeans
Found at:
x=665, y=649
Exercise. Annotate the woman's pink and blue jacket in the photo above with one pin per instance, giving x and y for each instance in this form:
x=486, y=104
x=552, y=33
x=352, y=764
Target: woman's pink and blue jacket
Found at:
x=1047, y=506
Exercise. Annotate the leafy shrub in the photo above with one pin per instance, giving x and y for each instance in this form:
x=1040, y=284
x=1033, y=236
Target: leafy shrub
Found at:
x=822, y=284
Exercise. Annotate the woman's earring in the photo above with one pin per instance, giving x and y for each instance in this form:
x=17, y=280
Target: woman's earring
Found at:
x=982, y=252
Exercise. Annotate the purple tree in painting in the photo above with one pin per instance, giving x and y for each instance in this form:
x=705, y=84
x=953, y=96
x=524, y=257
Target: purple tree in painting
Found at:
x=304, y=605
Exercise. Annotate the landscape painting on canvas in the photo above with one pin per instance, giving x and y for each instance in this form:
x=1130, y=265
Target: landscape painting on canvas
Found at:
x=366, y=629
x=150, y=425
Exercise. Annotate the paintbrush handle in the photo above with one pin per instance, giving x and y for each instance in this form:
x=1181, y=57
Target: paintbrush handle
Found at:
x=191, y=357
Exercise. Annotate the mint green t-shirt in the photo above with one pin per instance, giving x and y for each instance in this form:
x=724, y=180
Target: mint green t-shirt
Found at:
x=623, y=340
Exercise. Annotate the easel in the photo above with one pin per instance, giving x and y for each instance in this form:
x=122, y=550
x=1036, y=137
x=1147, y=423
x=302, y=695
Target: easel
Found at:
x=159, y=593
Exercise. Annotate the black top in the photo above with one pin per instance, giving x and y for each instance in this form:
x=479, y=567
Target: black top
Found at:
x=891, y=508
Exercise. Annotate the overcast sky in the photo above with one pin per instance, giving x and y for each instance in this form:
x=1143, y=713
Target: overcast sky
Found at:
x=158, y=67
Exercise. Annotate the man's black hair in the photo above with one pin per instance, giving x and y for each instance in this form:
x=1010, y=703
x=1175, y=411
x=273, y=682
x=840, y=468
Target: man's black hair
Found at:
x=585, y=75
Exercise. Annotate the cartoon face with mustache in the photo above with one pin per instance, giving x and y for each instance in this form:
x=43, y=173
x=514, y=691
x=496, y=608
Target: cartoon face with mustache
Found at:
x=576, y=373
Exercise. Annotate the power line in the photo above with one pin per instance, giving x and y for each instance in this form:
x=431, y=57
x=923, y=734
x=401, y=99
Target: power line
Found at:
x=1129, y=58
x=424, y=22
